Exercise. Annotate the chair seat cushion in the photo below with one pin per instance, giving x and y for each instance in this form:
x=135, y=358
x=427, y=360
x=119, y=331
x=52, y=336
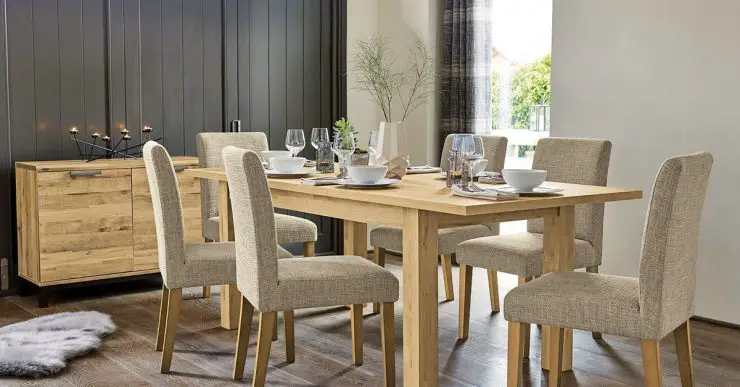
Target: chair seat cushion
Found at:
x=592, y=302
x=210, y=264
x=333, y=280
x=392, y=238
x=290, y=229
x=521, y=254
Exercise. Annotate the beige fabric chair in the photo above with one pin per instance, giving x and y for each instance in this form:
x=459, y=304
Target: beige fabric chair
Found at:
x=578, y=161
x=661, y=301
x=182, y=265
x=386, y=238
x=270, y=285
x=290, y=229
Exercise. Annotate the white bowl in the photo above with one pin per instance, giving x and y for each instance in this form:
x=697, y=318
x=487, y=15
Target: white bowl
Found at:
x=480, y=167
x=367, y=174
x=524, y=179
x=267, y=155
x=287, y=164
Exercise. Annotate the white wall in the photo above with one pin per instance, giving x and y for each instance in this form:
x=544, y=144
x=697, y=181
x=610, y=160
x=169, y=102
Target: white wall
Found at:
x=402, y=20
x=657, y=78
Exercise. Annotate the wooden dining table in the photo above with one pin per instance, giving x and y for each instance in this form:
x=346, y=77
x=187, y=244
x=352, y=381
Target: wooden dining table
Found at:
x=420, y=205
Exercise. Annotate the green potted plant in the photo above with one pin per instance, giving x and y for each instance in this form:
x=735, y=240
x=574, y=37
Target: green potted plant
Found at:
x=344, y=129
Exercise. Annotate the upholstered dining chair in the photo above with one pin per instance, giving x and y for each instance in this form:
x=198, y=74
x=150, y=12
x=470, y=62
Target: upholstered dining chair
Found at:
x=182, y=265
x=567, y=160
x=387, y=238
x=648, y=308
x=268, y=284
x=291, y=229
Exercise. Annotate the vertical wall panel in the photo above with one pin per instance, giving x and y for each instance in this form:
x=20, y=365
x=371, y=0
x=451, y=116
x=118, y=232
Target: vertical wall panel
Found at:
x=151, y=66
x=325, y=44
x=72, y=74
x=116, y=71
x=21, y=84
x=132, y=65
x=94, y=64
x=232, y=29
x=242, y=55
x=46, y=79
x=312, y=65
x=259, y=67
x=7, y=231
x=172, y=76
x=294, y=61
x=213, y=110
x=192, y=34
x=278, y=92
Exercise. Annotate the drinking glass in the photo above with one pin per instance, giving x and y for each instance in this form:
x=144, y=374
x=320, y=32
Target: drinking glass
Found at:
x=479, y=152
x=372, y=147
x=319, y=135
x=343, y=147
x=295, y=141
x=464, y=144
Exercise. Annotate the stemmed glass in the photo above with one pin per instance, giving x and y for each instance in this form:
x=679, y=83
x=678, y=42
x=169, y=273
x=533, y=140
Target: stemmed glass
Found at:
x=319, y=135
x=479, y=153
x=295, y=141
x=464, y=146
x=372, y=147
x=343, y=147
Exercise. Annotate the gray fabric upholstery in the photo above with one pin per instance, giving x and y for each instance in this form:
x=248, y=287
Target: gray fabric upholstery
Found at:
x=291, y=229
x=521, y=254
x=183, y=265
x=391, y=239
x=663, y=298
x=290, y=284
x=592, y=302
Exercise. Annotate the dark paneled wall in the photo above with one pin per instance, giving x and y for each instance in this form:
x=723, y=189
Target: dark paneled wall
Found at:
x=180, y=66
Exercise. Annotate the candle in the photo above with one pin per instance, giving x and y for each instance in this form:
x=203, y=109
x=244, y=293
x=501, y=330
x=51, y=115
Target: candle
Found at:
x=146, y=129
x=95, y=135
x=73, y=130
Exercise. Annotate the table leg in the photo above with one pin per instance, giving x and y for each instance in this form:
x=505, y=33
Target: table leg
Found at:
x=355, y=238
x=559, y=244
x=230, y=295
x=420, y=314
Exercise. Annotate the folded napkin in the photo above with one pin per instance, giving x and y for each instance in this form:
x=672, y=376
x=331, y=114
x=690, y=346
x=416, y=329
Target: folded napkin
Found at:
x=418, y=169
x=331, y=180
x=487, y=194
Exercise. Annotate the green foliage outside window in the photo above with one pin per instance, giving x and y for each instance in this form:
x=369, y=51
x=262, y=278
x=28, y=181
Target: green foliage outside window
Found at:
x=530, y=85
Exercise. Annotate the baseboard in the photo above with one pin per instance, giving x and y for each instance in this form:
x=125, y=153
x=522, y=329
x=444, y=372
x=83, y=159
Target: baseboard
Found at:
x=716, y=322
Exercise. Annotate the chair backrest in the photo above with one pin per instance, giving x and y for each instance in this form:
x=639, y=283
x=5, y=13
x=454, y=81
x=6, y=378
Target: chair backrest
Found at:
x=495, y=147
x=254, y=228
x=576, y=161
x=168, y=218
x=670, y=243
x=210, y=145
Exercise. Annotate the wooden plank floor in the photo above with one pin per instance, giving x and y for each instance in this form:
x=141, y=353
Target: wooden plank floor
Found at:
x=204, y=351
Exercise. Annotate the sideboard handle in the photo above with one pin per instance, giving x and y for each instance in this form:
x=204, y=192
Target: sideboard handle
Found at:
x=180, y=168
x=91, y=172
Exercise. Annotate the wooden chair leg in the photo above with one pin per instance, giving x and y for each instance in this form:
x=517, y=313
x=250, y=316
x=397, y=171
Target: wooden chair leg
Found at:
x=388, y=339
x=493, y=290
x=557, y=337
x=162, y=318
x=356, y=311
x=466, y=286
x=264, y=342
x=173, y=316
x=380, y=261
x=207, y=291
x=526, y=328
x=275, y=330
x=242, y=341
x=651, y=363
x=514, y=360
x=595, y=270
x=447, y=276
x=309, y=249
x=289, y=336
x=682, y=336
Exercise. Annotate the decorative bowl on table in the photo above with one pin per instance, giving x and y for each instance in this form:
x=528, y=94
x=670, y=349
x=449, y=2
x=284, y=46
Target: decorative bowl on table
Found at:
x=287, y=164
x=524, y=179
x=367, y=174
x=267, y=155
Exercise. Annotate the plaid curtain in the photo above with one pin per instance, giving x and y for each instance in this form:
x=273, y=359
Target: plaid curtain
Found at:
x=466, y=68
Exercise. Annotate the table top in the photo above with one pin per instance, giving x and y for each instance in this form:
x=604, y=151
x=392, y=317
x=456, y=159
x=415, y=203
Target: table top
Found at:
x=428, y=192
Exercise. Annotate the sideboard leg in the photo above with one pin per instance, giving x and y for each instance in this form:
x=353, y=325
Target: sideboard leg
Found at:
x=43, y=297
x=24, y=287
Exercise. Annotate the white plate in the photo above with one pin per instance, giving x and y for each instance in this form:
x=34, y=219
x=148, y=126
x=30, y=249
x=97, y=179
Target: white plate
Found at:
x=289, y=175
x=537, y=191
x=379, y=184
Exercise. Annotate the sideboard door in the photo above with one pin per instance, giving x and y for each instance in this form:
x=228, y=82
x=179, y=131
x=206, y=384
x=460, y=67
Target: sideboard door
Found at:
x=145, y=234
x=85, y=225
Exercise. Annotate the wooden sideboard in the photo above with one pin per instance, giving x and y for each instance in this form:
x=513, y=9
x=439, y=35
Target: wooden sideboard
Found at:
x=81, y=222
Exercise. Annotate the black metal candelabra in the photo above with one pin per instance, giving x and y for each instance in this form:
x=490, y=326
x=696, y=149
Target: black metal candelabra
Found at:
x=114, y=151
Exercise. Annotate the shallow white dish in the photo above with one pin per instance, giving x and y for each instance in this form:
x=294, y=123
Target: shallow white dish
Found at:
x=524, y=179
x=382, y=183
x=267, y=155
x=367, y=174
x=289, y=175
x=287, y=164
x=536, y=191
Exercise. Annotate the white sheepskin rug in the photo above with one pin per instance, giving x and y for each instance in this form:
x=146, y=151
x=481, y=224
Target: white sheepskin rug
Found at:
x=41, y=346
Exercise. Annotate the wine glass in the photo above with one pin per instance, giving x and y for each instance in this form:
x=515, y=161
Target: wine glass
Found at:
x=464, y=145
x=343, y=147
x=319, y=135
x=372, y=147
x=479, y=152
x=295, y=141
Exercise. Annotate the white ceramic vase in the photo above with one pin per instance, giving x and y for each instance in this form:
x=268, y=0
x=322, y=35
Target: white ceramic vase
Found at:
x=393, y=149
